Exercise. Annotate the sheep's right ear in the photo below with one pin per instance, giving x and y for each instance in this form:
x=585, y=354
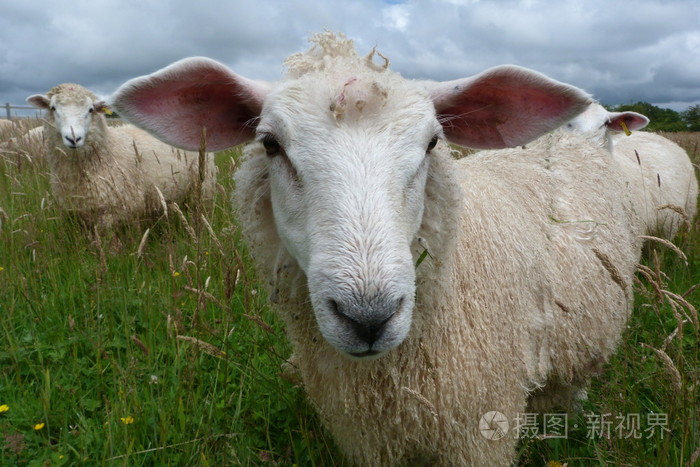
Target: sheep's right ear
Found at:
x=176, y=103
x=632, y=120
x=39, y=100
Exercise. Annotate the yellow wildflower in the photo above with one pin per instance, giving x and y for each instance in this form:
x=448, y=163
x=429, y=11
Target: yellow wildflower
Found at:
x=127, y=420
x=4, y=407
x=175, y=273
x=1, y=268
x=38, y=426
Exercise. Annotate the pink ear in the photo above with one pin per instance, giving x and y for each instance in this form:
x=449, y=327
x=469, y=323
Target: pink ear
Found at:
x=633, y=120
x=505, y=106
x=39, y=100
x=175, y=103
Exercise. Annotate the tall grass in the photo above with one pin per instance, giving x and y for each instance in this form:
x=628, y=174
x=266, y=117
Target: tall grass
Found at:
x=154, y=345
x=138, y=347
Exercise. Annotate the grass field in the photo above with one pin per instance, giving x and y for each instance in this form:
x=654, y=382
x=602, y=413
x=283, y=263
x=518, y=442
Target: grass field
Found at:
x=153, y=345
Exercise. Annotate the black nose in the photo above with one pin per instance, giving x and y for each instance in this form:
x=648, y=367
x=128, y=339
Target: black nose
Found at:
x=73, y=141
x=367, y=321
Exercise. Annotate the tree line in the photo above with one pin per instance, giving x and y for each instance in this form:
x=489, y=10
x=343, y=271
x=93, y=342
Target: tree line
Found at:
x=664, y=119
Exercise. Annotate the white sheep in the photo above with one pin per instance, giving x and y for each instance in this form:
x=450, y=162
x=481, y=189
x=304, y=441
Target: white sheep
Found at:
x=109, y=175
x=6, y=125
x=659, y=171
x=29, y=145
x=527, y=284
x=668, y=178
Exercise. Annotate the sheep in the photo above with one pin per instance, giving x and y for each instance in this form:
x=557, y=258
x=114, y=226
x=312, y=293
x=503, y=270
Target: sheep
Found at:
x=111, y=175
x=6, y=124
x=419, y=292
x=658, y=170
x=7, y=129
x=668, y=177
x=27, y=146
x=34, y=135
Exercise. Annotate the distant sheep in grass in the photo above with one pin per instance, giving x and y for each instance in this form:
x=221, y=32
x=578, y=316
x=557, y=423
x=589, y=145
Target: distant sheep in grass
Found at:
x=109, y=175
x=527, y=255
x=28, y=146
x=35, y=135
x=6, y=125
x=658, y=170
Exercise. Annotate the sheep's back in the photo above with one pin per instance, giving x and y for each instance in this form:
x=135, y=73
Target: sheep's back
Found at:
x=666, y=175
x=571, y=234
x=174, y=171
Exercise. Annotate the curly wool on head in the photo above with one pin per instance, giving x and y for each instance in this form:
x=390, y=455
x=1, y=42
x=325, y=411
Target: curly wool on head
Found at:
x=71, y=90
x=327, y=52
x=336, y=56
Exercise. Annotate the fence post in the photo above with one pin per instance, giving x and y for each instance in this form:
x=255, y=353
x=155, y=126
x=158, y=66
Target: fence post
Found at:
x=7, y=110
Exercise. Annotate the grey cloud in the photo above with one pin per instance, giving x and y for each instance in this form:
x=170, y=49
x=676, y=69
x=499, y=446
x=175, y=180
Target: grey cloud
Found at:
x=620, y=51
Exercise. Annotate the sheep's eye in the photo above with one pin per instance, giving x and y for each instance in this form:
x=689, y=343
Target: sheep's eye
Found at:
x=91, y=110
x=432, y=143
x=272, y=147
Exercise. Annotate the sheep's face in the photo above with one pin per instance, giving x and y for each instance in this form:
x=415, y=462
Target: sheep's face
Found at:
x=72, y=118
x=347, y=188
x=593, y=123
x=594, y=118
x=596, y=123
x=71, y=111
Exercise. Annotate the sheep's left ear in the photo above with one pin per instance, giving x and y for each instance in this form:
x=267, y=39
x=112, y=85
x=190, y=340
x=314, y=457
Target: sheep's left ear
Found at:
x=632, y=120
x=505, y=106
x=39, y=100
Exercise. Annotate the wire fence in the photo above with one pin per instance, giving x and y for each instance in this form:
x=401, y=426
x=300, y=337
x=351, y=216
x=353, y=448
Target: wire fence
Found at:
x=13, y=112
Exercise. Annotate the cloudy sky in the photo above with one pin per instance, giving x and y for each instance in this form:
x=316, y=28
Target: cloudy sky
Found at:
x=620, y=51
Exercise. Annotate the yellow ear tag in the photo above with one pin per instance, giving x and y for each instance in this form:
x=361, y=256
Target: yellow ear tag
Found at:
x=108, y=111
x=624, y=127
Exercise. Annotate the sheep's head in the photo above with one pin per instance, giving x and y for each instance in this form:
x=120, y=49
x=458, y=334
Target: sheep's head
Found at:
x=71, y=110
x=596, y=122
x=348, y=148
x=347, y=190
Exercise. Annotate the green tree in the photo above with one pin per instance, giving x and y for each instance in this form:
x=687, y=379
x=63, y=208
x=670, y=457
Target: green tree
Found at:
x=691, y=118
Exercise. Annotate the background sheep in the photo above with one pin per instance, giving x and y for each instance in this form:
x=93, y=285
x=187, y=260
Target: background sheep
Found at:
x=107, y=175
x=6, y=124
x=7, y=129
x=659, y=171
x=28, y=146
x=668, y=178
x=527, y=285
